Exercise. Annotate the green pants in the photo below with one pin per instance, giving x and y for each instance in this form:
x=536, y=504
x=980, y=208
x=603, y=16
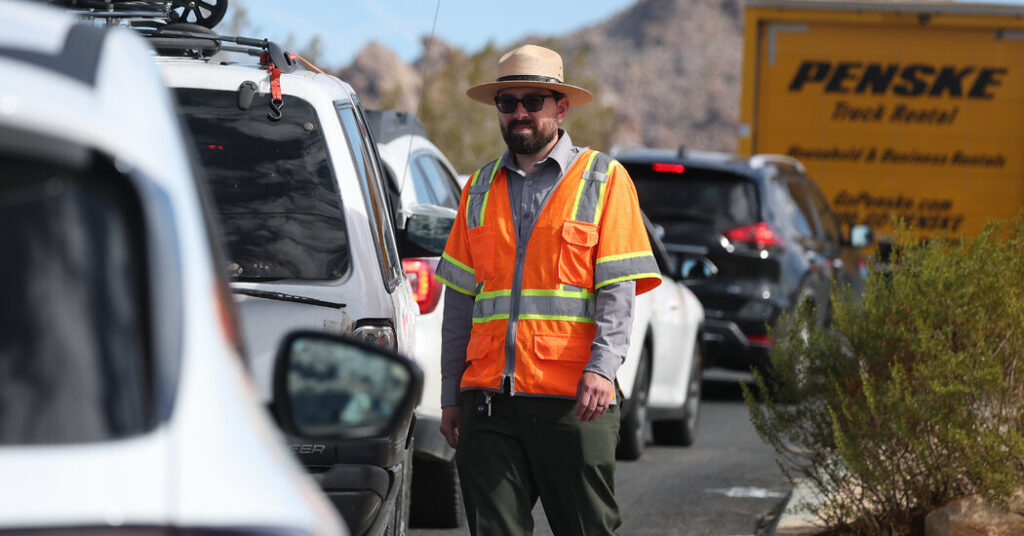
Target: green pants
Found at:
x=530, y=448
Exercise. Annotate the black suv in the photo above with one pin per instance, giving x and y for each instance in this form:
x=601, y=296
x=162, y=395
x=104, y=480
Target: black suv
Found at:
x=751, y=237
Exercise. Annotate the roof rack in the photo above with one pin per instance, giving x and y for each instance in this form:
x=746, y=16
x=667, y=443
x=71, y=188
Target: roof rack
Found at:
x=179, y=27
x=205, y=13
x=197, y=41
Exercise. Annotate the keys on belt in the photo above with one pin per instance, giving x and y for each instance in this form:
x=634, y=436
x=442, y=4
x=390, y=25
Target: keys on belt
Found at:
x=483, y=403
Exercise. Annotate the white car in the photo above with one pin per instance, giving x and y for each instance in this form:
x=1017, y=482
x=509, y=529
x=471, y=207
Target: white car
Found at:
x=125, y=406
x=420, y=176
x=661, y=376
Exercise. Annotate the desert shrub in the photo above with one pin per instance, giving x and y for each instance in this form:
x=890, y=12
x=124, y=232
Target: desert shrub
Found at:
x=914, y=395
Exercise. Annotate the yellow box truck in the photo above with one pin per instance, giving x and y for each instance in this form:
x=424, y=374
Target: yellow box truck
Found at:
x=912, y=110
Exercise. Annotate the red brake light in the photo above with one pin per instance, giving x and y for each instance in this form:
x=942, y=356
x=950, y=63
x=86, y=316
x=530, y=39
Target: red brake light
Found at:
x=425, y=288
x=661, y=167
x=760, y=340
x=759, y=234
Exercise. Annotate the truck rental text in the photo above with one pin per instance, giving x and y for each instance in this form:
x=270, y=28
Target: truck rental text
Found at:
x=897, y=110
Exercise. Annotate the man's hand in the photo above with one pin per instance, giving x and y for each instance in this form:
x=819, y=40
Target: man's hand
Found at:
x=451, y=418
x=593, y=393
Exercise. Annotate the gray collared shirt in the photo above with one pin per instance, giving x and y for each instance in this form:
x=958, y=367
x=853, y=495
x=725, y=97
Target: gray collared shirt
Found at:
x=528, y=193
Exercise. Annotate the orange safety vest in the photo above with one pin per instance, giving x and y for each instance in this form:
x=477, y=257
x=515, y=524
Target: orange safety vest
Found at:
x=533, y=315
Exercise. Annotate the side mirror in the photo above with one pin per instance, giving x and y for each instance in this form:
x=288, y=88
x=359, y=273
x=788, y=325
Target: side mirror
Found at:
x=426, y=231
x=333, y=386
x=861, y=236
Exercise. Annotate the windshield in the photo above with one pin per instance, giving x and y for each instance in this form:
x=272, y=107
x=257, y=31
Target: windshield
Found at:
x=720, y=198
x=75, y=359
x=271, y=182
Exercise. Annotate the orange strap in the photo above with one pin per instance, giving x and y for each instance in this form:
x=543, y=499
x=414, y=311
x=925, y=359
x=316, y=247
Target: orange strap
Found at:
x=275, y=78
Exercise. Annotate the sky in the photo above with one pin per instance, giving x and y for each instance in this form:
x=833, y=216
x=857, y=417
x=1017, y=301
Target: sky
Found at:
x=346, y=26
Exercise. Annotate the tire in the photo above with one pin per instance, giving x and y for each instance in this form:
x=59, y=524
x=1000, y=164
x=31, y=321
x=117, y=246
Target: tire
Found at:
x=398, y=525
x=683, y=431
x=633, y=427
x=436, y=495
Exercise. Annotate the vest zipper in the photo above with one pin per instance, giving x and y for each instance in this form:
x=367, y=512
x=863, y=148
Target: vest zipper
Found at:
x=520, y=265
x=517, y=289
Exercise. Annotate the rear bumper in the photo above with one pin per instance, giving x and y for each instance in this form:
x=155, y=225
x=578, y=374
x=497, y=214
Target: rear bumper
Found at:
x=728, y=347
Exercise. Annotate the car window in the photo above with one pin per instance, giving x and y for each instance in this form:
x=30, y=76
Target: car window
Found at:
x=277, y=199
x=364, y=154
x=417, y=175
x=443, y=188
x=792, y=212
x=75, y=357
x=724, y=199
x=829, y=225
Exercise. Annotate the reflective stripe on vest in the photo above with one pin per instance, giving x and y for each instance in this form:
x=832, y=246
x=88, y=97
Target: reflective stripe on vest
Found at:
x=589, y=197
x=535, y=304
x=479, y=190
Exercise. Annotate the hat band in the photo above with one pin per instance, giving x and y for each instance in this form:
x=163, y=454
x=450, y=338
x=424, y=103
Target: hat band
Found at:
x=529, y=78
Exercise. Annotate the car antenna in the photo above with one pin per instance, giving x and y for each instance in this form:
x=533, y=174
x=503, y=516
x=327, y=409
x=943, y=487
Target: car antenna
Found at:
x=423, y=92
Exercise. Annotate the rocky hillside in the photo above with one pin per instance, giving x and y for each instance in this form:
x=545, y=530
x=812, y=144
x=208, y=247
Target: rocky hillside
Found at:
x=669, y=70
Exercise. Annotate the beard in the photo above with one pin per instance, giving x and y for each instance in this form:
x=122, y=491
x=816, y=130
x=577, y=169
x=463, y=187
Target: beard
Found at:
x=527, y=142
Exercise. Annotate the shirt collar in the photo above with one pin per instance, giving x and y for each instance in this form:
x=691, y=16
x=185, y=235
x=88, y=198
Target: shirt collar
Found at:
x=561, y=154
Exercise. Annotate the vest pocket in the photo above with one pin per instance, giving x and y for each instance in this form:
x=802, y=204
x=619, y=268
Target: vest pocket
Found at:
x=560, y=363
x=483, y=366
x=482, y=247
x=575, y=258
x=479, y=346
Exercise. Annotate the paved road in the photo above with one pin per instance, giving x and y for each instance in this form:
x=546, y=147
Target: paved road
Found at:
x=721, y=486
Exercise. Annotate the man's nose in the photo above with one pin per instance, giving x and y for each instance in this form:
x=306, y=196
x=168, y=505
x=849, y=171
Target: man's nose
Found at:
x=520, y=111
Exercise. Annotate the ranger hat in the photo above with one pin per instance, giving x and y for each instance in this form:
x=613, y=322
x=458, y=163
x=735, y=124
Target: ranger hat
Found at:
x=529, y=66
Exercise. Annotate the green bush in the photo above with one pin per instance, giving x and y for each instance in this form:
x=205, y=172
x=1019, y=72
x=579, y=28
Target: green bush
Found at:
x=914, y=395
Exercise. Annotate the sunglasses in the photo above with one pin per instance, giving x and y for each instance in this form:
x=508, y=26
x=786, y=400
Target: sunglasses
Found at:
x=532, y=102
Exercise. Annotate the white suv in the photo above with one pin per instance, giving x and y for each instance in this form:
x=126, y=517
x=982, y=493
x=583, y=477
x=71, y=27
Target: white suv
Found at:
x=296, y=182
x=125, y=407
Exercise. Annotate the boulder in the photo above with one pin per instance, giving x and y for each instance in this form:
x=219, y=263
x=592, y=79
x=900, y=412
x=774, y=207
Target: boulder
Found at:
x=972, y=516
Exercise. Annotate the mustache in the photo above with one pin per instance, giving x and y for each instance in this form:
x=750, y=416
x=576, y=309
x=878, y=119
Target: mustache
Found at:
x=522, y=122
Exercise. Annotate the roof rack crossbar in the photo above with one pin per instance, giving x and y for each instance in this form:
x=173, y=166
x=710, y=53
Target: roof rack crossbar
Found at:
x=120, y=14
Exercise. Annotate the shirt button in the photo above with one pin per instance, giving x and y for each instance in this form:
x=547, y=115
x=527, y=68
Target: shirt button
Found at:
x=527, y=216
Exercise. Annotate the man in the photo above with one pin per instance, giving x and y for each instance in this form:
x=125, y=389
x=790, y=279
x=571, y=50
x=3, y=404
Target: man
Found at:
x=546, y=255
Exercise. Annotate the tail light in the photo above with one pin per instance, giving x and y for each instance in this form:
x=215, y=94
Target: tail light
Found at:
x=660, y=167
x=759, y=340
x=425, y=288
x=378, y=335
x=759, y=234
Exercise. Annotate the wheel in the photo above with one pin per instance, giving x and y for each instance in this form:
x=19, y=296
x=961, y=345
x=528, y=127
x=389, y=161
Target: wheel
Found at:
x=633, y=427
x=202, y=12
x=683, y=431
x=436, y=495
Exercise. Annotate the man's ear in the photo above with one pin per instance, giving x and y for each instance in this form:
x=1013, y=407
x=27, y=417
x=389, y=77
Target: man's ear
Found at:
x=563, y=108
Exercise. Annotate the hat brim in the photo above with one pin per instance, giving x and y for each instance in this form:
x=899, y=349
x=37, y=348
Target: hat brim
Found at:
x=484, y=93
